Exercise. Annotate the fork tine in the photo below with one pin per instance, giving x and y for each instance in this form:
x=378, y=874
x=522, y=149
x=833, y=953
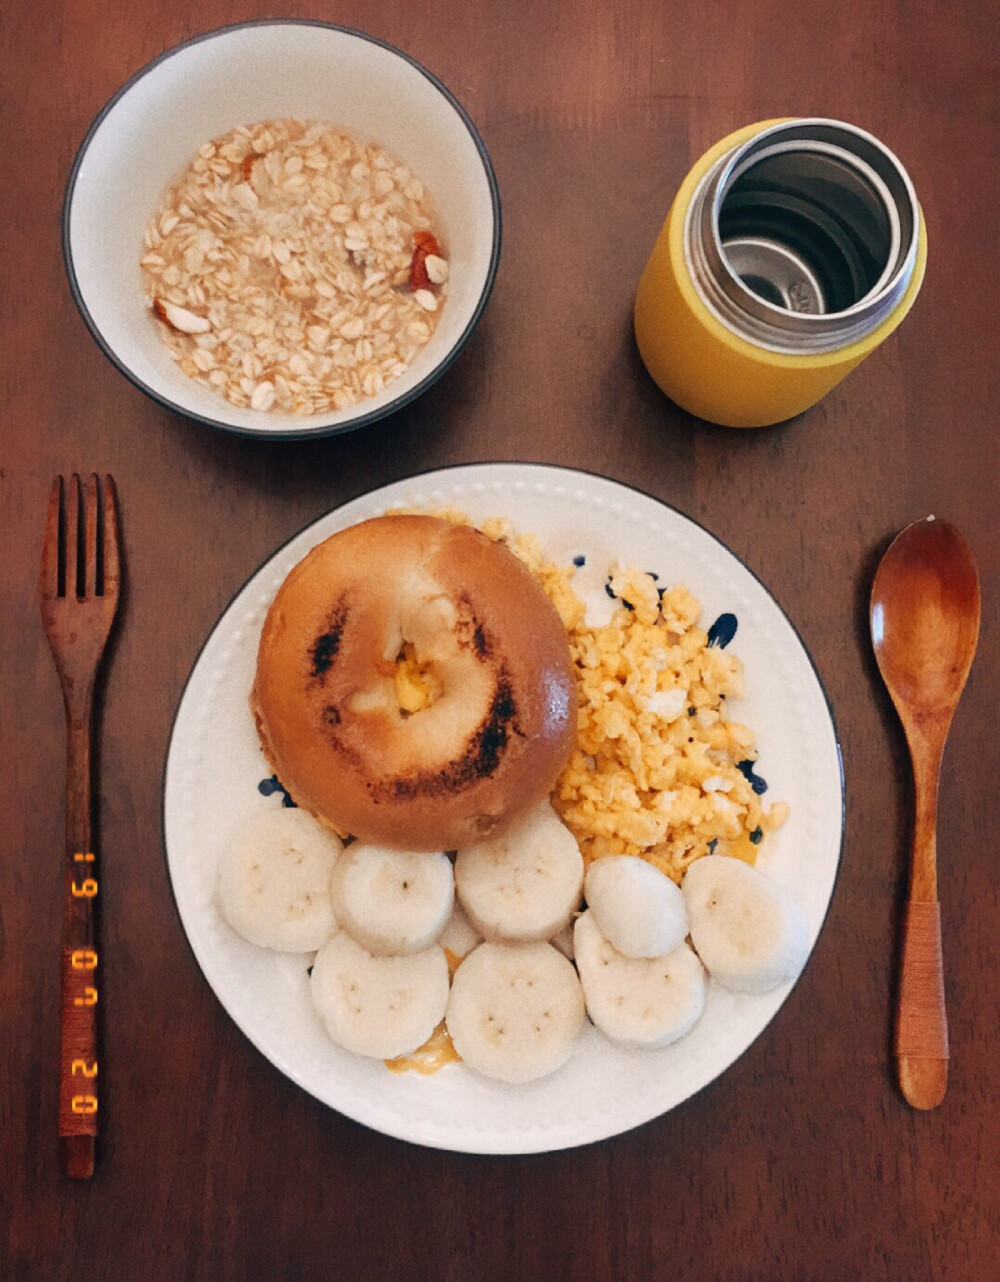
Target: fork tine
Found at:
x=48, y=578
x=91, y=580
x=72, y=541
x=112, y=569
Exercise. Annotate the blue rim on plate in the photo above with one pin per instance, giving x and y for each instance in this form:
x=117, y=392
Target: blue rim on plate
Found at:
x=305, y=432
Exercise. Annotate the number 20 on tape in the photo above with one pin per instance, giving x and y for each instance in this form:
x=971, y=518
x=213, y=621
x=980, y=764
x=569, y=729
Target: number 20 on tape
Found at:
x=85, y=960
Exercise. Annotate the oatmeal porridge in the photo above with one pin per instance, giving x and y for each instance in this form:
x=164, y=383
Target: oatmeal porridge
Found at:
x=293, y=268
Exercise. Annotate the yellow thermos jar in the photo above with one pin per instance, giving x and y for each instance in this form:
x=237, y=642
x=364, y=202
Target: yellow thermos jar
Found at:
x=791, y=250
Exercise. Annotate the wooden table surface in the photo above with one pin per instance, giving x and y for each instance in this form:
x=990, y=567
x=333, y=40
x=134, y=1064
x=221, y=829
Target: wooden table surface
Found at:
x=801, y=1161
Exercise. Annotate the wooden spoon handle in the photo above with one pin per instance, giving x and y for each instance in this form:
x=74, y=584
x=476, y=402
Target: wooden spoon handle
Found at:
x=922, y=1027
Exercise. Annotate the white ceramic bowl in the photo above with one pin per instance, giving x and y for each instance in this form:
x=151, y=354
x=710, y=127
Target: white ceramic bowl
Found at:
x=150, y=130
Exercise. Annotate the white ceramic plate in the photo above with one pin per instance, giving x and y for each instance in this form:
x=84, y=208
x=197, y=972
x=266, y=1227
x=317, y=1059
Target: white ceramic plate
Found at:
x=214, y=766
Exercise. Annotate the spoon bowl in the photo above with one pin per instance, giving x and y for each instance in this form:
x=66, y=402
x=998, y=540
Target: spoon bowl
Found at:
x=924, y=625
x=925, y=618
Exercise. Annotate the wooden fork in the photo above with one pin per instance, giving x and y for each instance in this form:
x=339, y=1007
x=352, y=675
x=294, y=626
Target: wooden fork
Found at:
x=79, y=587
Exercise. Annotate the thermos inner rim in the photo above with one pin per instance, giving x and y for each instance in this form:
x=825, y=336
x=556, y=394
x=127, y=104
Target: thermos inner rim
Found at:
x=804, y=238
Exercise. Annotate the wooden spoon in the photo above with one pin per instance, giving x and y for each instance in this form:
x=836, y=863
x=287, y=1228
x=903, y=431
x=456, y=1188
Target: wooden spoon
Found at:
x=924, y=626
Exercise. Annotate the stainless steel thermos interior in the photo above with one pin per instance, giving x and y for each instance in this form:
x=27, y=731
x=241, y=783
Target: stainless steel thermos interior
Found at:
x=804, y=239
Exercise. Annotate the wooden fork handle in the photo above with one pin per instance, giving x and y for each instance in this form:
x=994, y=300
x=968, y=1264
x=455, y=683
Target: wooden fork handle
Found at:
x=78, y=1065
x=78, y=1058
x=922, y=1027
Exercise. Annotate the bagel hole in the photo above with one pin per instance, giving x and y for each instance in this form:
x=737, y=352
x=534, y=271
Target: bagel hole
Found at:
x=417, y=685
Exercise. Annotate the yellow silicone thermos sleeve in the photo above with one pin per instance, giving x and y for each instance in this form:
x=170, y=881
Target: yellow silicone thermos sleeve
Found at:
x=705, y=367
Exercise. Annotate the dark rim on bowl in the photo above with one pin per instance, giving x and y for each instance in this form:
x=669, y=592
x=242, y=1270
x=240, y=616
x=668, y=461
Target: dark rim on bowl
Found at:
x=326, y=428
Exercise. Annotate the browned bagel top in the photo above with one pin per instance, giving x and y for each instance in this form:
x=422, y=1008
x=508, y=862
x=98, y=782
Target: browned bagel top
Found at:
x=492, y=645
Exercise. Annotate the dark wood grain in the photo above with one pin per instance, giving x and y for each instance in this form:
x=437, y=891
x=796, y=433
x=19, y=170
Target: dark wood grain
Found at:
x=803, y=1161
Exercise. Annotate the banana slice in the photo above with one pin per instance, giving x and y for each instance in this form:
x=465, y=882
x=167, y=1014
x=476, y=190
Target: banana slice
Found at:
x=394, y=902
x=525, y=884
x=515, y=1010
x=637, y=908
x=645, y=1002
x=459, y=935
x=747, y=929
x=273, y=883
x=381, y=1007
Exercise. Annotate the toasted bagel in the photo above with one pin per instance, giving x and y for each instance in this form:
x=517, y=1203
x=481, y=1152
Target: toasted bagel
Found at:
x=478, y=635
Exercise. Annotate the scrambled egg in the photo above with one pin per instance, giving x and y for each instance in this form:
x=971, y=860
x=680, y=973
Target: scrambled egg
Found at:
x=416, y=686
x=655, y=770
